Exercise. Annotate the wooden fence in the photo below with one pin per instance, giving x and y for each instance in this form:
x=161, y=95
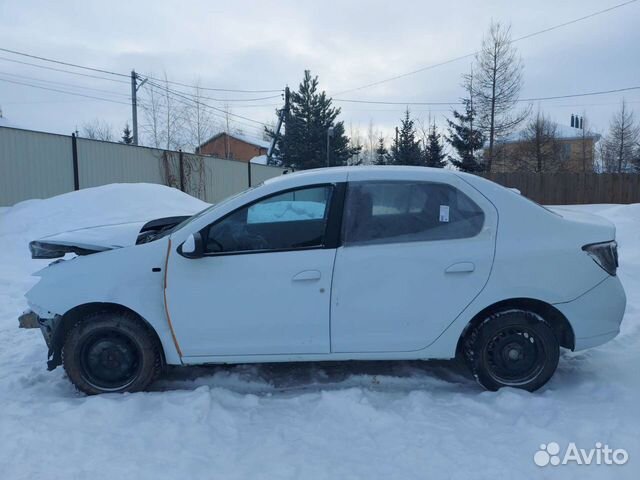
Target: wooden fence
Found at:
x=572, y=188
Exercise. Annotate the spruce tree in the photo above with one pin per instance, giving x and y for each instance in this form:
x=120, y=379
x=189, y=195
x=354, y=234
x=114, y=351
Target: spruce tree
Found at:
x=381, y=156
x=304, y=142
x=406, y=149
x=434, y=155
x=465, y=140
x=127, y=137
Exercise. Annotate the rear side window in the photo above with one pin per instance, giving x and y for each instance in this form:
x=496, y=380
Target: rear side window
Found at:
x=393, y=211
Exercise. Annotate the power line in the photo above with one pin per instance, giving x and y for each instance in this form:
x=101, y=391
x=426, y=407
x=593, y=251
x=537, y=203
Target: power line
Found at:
x=602, y=92
x=40, y=102
x=63, y=70
x=190, y=102
x=216, y=99
x=212, y=89
x=258, y=105
x=215, y=113
x=533, y=99
x=468, y=55
x=576, y=20
x=62, y=91
x=382, y=102
x=52, y=82
x=177, y=94
x=109, y=72
x=126, y=82
x=44, y=59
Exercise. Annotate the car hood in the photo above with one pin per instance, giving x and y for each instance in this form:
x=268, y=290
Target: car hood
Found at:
x=90, y=240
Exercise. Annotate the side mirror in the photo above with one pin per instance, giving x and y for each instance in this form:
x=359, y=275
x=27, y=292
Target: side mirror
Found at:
x=192, y=247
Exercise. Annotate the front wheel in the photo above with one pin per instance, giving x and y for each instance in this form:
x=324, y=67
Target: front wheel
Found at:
x=111, y=352
x=514, y=348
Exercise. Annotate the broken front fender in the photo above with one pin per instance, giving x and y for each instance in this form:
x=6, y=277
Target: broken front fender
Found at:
x=130, y=277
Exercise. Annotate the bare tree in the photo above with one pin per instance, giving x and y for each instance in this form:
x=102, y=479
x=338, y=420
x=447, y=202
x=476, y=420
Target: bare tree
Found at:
x=356, y=144
x=173, y=118
x=371, y=143
x=164, y=116
x=496, y=86
x=540, y=150
x=422, y=129
x=199, y=121
x=620, y=147
x=98, y=130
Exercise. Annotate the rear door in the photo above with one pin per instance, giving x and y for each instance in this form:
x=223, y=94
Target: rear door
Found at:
x=414, y=255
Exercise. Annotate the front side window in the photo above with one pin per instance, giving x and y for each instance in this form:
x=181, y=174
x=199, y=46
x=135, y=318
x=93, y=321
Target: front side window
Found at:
x=291, y=220
x=394, y=211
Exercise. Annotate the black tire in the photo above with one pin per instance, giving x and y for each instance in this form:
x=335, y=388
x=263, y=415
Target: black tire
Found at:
x=111, y=352
x=513, y=348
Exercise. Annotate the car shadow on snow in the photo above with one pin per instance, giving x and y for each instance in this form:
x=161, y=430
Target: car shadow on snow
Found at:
x=269, y=378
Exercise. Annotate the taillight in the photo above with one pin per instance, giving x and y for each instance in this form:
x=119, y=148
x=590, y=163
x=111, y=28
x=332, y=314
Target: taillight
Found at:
x=605, y=254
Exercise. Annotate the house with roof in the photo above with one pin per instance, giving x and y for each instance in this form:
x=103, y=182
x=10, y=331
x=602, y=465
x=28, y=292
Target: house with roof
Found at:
x=234, y=146
x=570, y=149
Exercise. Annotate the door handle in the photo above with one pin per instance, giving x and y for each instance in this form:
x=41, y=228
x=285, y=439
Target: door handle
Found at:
x=307, y=275
x=461, y=267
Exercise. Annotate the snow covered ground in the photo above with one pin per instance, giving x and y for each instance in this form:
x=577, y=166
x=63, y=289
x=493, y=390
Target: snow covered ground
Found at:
x=405, y=420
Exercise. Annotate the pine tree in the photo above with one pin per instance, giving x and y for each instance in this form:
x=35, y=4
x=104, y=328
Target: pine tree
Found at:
x=434, y=155
x=304, y=142
x=127, y=137
x=465, y=140
x=381, y=156
x=406, y=149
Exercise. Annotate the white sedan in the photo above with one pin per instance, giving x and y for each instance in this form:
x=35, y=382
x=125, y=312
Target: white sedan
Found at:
x=354, y=263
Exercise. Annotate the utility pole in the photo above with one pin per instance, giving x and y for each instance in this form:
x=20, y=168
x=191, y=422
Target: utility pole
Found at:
x=329, y=135
x=283, y=113
x=134, y=104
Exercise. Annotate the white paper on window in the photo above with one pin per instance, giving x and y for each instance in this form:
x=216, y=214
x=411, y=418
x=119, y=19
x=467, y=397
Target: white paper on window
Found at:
x=444, y=213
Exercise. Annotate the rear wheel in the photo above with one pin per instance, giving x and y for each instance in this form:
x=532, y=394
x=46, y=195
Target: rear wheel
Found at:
x=514, y=348
x=111, y=352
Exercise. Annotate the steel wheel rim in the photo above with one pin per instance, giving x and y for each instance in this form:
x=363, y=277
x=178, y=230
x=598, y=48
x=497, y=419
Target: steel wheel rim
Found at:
x=110, y=360
x=515, y=356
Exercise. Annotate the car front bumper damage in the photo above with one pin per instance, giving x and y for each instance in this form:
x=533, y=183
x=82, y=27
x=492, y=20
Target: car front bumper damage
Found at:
x=47, y=326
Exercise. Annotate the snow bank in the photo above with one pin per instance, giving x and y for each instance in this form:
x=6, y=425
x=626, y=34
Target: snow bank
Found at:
x=114, y=212
x=91, y=207
x=404, y=420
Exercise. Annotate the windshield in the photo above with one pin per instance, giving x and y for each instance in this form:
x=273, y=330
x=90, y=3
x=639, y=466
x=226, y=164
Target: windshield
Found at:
x=195, y=217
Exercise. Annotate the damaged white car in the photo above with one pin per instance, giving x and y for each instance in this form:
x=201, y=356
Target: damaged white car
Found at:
x=364, y=263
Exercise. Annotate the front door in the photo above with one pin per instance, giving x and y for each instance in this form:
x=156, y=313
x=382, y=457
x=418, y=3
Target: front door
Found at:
x=263, y=286
x=414, y=255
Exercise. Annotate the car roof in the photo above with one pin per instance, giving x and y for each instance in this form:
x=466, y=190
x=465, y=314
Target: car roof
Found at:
x=337, y=174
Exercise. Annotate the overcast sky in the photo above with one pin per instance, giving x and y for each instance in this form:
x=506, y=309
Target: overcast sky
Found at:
x=268, y=44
